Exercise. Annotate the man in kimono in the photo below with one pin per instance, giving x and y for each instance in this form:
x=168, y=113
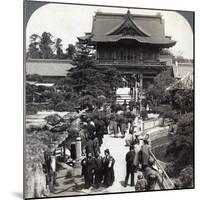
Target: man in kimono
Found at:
x=130, y=168
x=108, y=165
x=88, y=166
x=98, y=170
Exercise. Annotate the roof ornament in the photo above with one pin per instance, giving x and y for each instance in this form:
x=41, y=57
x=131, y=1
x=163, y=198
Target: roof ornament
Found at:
x=128, y=12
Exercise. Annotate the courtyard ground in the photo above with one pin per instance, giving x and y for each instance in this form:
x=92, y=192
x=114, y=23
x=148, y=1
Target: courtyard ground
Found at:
x=75, y=185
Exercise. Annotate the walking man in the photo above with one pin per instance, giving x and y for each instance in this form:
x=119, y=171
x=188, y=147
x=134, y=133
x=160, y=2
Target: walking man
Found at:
x=130, y=168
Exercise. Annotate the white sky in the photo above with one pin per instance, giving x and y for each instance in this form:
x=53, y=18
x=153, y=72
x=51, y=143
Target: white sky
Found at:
x=70, y=21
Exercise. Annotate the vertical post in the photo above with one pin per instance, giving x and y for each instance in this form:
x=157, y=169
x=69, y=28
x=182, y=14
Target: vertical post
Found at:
x=141, y=81
x=136, y=94
x=136, y=90
x=53, y=172
x=78, y=148
x=141, y=90
x=141, y=55
x=142, y=126
x=64, y=150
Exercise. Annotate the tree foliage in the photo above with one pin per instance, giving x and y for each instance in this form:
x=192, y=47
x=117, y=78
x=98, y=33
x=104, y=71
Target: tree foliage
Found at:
x=183, y=100
x=181, y=146
x=59, y=50
x=46, y=47
x=33, y=49
x=186, y=177
x=156, y=93
x=87, y=81
x=71, y=51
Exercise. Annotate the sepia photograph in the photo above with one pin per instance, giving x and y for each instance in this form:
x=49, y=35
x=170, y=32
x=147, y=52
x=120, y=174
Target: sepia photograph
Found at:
x=108, y=100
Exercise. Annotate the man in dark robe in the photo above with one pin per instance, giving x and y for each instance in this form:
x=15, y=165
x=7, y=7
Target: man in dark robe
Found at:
x=108, y=165
x=130, y=168
x=96, y=145
x=123, y=126
x=88, y=166
x=89, y=147
x=98, y=171
x=90, y=127
x=99, y=127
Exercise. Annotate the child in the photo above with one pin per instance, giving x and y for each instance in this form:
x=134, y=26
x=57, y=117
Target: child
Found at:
x=141, y=183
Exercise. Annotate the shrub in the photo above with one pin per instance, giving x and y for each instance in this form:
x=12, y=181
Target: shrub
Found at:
x=181, y=146
x=186, y=177
x=64, y=106
x=31, y=109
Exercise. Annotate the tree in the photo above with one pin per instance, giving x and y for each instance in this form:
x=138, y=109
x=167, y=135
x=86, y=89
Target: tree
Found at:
x=58, y=47
x=41, y=46
x=33, y=50
x=186, y=177
x=156, y=93
x=182, y=145
x=71, y=51
x=87, y=81
x=183, y=100
x=45, y=45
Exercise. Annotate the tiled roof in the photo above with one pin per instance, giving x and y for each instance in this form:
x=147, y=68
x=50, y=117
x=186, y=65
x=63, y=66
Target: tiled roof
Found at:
x=50, y=68
x=140, y=39
x=153, y=25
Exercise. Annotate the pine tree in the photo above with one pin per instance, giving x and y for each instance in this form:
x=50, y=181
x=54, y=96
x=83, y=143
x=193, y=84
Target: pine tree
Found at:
x=89, y=81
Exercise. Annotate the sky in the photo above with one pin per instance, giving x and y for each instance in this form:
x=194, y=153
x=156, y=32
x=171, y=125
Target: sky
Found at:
x=70, y=21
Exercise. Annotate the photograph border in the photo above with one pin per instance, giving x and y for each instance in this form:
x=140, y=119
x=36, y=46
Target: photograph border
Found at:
x=25, y=22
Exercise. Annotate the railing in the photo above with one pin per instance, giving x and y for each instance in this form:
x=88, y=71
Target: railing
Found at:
x=133, y=62
x=151, y=123
x=166, y=182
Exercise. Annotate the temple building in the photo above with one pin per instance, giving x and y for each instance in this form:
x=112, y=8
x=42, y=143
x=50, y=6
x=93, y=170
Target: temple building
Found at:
x=134, y=44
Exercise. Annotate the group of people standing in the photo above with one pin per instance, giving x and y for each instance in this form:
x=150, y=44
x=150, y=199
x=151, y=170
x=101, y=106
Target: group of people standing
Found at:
x=123, y=120
x=98, y=170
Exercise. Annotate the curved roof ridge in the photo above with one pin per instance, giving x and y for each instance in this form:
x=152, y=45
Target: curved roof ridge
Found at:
x=136, y=27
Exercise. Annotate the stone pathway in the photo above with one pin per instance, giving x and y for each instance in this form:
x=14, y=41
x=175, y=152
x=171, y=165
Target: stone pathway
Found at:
x=75, y=185
x=69, y=186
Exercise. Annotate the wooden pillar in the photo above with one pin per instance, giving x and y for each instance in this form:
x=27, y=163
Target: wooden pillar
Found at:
x=53, y=174
x=141, y=81
x=64, y=150
x=141, y=55
x=136, y=90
